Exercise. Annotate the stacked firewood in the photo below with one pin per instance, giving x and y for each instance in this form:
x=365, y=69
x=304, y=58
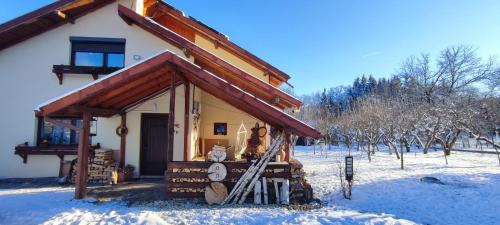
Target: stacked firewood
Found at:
x=300, y=190
x=100, y=167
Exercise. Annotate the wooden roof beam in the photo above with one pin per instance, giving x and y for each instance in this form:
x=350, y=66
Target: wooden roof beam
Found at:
x=98, y=111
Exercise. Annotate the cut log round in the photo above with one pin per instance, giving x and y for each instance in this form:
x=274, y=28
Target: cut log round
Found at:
x=218, y=155
x=215, y=193
x=217, y=172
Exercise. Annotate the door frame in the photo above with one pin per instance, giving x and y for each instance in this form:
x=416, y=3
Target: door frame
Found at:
x=141, y=133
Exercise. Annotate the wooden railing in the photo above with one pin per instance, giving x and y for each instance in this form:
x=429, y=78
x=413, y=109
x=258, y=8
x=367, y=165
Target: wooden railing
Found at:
x=60, y=70
x=59, y=150
x=189, y=179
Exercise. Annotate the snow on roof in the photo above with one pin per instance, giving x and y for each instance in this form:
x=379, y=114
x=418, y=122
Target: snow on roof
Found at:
x=186, y=60
x=99, y=80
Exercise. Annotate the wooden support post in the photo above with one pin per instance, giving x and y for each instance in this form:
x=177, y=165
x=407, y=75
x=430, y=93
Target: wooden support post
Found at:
x=123, y=141
x=187, y=147
x=276, y=191
x=83, y=158
x=171, y=119
x=287, y=147
x=257, y=194
x=285, y=196
x=264, y=191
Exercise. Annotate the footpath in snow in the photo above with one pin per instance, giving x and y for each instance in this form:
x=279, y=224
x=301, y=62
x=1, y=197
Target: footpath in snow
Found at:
x=382, y=194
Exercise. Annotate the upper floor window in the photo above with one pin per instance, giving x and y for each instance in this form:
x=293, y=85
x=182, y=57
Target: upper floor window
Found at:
x=97, y=52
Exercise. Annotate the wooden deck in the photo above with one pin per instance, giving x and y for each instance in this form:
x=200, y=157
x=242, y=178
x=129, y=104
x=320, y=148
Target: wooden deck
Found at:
x=187, y=180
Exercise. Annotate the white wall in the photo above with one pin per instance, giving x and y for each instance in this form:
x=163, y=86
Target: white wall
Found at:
x=26, y=80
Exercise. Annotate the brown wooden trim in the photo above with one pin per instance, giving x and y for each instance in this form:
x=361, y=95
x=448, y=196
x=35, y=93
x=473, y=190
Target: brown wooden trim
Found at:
x=287, y=147
x=31, y=16
x=198, y=77
x=208, y=58
x=83, y=158
x=187, y=149
x=241, y=100
x=228, y=164
x=60, y=70
x=171, y=117
x=221, y=40
x=96, y=111
x=235, y=171
x=58, y=150
x=131, y=86
x=123, y=141
x=122, y=95
x=157, y=93
x=34, y=23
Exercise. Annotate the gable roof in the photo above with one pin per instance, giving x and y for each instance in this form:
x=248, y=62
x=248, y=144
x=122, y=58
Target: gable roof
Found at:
x=130, y=86
x=211, y=62
x=45, y=19
x=67, y=11
x=219, y=38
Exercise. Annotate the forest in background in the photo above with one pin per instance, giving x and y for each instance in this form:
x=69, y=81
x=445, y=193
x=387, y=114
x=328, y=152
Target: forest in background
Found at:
x=428, y=101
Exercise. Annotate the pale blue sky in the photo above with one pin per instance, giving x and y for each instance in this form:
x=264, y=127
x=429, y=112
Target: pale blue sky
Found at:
x=326, y=43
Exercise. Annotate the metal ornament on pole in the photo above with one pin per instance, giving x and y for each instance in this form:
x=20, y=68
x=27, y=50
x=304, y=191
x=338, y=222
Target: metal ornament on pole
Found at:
x=349, y=171
x=349, y=174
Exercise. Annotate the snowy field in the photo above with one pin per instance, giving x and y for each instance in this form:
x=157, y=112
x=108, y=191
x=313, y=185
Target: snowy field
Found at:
x=383, y=194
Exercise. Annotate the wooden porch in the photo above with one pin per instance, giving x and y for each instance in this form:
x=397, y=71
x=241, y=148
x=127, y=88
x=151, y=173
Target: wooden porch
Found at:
x=121, y=91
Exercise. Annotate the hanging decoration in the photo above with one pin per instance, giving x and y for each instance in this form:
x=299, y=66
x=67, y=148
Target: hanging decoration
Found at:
x=241, y=140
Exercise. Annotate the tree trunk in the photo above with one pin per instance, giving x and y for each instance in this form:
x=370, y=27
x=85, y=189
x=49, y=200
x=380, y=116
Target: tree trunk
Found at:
x=492, y=142
x=369, y=153
x=395, y=149
x=402, y=153
x=406, y=145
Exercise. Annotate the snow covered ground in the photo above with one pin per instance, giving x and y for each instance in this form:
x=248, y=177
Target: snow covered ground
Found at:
x=383, y=194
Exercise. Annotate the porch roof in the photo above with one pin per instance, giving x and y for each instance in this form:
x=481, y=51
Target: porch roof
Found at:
x=123, y=89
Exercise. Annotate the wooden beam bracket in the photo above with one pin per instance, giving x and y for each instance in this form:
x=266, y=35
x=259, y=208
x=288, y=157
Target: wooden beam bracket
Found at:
x=60, y=78
x=186, y=52
x=98, y=111
x=24, y=156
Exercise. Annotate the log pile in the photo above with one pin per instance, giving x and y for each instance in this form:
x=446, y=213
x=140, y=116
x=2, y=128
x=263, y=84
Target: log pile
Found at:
x=100, y=167
x=300, y=190
x=216, y=192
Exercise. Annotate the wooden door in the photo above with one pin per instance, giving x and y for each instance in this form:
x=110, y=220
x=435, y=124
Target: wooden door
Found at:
x=154, y=144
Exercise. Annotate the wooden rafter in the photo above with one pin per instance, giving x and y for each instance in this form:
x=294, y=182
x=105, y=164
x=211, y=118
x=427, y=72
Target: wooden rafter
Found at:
x=187, y=148
x=98, y=111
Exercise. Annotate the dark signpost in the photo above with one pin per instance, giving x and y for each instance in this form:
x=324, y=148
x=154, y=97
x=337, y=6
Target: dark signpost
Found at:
x=348, y=168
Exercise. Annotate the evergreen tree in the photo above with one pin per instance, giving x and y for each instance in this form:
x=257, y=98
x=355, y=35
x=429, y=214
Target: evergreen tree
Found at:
x=372, y=83
x=364, y=85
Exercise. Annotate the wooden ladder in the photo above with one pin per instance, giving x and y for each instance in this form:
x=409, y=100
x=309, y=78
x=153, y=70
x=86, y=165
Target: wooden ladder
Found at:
x=246, y=182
